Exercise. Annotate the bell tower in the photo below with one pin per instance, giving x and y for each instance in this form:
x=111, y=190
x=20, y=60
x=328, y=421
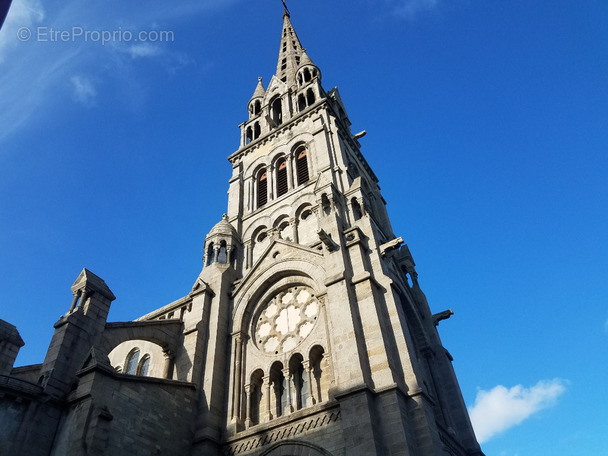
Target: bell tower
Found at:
x=305, y=334
x=333, y=346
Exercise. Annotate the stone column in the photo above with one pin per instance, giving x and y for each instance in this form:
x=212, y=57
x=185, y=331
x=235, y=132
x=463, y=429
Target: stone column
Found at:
x=270, y=185
x=169, y=364
x=75, y=300
x=236, y=412
x=249, y=194
x=267, y=389
x=294, y=229
x=83, y=297
x=311, y=400
x=248, y=422
x=83, y=300
x=290, y=180
x=234, y=375
x=248, y=254
x=288, y=381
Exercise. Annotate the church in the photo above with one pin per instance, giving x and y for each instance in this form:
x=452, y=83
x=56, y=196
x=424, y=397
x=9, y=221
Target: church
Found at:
x=305, y=334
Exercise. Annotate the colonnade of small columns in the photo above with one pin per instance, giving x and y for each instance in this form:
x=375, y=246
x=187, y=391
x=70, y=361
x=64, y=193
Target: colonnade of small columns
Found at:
x=219, y=252
x=283, y=390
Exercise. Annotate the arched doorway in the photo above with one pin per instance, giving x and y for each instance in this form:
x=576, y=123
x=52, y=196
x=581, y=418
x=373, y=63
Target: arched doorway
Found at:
x=295, y=448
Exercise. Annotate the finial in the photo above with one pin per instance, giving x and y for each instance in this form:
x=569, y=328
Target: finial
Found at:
x=224, y=217
x=259, y=78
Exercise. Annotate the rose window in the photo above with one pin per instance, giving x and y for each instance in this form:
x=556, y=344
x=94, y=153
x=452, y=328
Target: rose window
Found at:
x=286, y=320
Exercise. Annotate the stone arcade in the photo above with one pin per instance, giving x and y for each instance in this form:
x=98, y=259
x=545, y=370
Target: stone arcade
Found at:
x=306, y=332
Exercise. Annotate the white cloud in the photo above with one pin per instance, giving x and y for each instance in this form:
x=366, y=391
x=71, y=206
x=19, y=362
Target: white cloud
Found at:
x=143, y=50
x=23, y=91
x=499, y=409
x=37, y=75
x=83, y=90
x=410, y=8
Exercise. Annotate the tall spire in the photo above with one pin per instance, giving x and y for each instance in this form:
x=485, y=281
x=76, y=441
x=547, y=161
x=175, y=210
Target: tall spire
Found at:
x=290, y=52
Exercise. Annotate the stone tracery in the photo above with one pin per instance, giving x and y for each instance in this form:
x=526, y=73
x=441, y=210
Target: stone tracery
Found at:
x=286, y=320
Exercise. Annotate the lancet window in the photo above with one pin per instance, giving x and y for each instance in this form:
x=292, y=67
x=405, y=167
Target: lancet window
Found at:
x=302, y=165
x=262, y=190
x=301, y=102
x=256, y=396
x=310, y=97
x=132, y=361
x=210, y=254
x=357, y=212
x=222, y=255
x=144, y=366
x=282, y=185
x=277, y=111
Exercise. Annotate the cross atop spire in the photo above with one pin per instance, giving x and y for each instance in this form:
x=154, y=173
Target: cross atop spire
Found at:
x=286, y=13
x=290, y=52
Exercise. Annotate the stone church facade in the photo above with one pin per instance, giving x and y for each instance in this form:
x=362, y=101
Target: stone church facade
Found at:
x=306, y=333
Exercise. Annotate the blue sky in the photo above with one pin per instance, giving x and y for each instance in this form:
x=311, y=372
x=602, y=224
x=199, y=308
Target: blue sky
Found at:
x=487, y=126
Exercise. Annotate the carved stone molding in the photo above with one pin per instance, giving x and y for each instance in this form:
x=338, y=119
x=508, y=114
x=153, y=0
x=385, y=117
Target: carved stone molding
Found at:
x=288, y=431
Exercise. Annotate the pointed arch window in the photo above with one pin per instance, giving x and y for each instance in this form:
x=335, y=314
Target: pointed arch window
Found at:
x=319, y=386
x=257, y=381
x=325, y=204
x=257, y=107
x=144, y=366
x=210, y=254
x=301, y=102
x=262, y=182
x=301, y=166
x=282, y=177
x=278, y=383
x=132, y=362
x=222, y=255
x=277, y=111
x=357, y=212
x=307, y=76
x=310, y=97
x=300, y=383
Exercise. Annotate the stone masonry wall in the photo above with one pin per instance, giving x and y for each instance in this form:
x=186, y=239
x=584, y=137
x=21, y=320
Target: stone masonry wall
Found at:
x=12, y=414
x=130, y=416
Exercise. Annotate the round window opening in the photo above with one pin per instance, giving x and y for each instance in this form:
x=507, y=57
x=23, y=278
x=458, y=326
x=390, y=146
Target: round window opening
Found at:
x=285, y=320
